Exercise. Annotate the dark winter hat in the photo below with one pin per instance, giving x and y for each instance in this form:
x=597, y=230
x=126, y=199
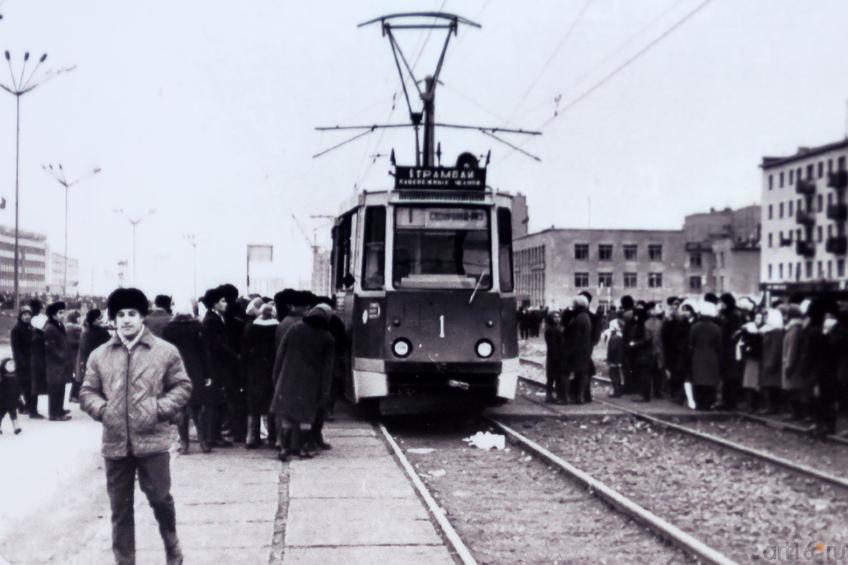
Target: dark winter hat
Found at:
x=627, y=302
x=672, y=300
x=212, y=296
x=54, y=308
x=73, y=316
x=162, y=301
x=796, y=298
x=92, y=315
x=122, y=298
x=711, y=297
x=587, y=294
x=301, y=298
x=36, y=306
x=230, y=292
x=728, y=300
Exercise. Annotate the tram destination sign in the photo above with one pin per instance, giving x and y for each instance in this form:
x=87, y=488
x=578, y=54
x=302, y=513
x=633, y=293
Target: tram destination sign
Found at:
x=460, y=178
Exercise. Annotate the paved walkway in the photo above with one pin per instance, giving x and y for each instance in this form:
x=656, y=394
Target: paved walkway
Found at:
x=355, y=505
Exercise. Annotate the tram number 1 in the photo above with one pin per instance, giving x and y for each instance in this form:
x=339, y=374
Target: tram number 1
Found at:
x=442, y=326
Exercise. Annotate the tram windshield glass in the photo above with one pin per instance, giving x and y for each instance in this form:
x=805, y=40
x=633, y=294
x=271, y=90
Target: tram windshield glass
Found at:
x=442, y=247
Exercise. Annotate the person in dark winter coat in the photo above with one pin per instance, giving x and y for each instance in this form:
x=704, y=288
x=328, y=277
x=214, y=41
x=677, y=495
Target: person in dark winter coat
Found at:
x=771, y=371
x=675, y=338
x=223, y=361
x=56, y=361
x=305, y=360
x=73, y=331
x=185, y=332
x=554, y=358
x=730, y=320
x=93, y=336
x=160, y=316
x=579, y=334
x=706, y=346
x=337, y=331
x=234, y=322
x=38, y=374
x=815, y=359
x=751, y=343
x=21, y=338
x=258, y=353
x=10, y=394
x=639, y=352
x=792, y=381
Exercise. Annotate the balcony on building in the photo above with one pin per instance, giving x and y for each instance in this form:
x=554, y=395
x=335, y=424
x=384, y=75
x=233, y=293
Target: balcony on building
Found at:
x=806, y=187
x=805, y=248
x=838, y=180
x=804, y=217
x=837, y=212
x=837, y=245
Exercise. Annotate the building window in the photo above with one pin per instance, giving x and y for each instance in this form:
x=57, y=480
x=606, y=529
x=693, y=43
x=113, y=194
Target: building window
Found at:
x=631, y=280
x=780, y=271
x=810, y=171
x=695, y=283
x=781, y=179
x=791, y=206
x=581, y=251
x=797, y=271
x=695, y=260
x=604, y=252
x=798, y=235
x=819, y=233
x=605, y=280
x=770, y=212
x=808, y=269
x=830, y=230
x=770, y=239
x=780, y=213
x=581, y=280
x=821, y=169
x=771, y=182
x=840, y=267
x=800, y=205
x=820, y=202
x=655, y=280
x=840, y=164
x=820, y=269
x=631, y=252
x=830, y=165
x=655, y=252
x=829, y=198
x=829, y=269
x=791, y=179
x=798, y=174
x=769, y=271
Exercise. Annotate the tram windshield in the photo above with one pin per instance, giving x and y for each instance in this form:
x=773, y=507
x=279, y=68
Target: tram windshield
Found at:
x=442, y=247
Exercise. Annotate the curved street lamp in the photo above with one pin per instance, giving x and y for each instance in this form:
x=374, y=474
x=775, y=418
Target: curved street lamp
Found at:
x=134, y=221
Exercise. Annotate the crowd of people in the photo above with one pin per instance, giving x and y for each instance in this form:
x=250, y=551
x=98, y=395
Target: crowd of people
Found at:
x=243, y=370
x=788, y=357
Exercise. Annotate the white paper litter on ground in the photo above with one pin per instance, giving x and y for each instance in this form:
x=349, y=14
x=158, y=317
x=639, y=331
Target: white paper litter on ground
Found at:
x=421, y=450
x=486, y=440
x=438, y=473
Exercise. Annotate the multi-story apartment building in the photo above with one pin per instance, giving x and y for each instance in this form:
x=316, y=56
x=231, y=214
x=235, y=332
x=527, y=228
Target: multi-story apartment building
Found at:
x=55, y=283
x=32, y=261
x=804, y=212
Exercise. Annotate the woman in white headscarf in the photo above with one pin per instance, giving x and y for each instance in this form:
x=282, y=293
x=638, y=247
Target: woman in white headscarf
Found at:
x=705, y=344
x=771, y=373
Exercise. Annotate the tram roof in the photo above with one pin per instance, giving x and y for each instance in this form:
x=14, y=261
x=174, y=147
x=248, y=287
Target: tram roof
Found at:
x=488, y=197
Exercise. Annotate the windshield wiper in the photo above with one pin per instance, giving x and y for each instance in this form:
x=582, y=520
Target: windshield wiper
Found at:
x=477, y=285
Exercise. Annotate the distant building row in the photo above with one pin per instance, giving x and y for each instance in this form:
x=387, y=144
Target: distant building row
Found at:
x=716, y=251
x=39, y=270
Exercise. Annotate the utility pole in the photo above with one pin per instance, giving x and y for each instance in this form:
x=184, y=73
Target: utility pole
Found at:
x=134, y=223
x=21, y=84
x=58, y=174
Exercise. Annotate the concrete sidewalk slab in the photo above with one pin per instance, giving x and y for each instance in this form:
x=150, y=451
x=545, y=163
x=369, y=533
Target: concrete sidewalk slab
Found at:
x=325, y=482
x=423, y=555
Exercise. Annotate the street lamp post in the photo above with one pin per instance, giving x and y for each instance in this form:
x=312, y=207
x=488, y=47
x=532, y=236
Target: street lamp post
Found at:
x=134, y=223
x=21, y=84
x=192, y=240
x=58, y=174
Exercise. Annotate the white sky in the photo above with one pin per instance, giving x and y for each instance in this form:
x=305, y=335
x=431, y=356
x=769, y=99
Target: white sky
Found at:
x=205, y=110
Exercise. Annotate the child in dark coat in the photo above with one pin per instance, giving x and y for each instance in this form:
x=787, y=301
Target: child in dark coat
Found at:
x=10, y=393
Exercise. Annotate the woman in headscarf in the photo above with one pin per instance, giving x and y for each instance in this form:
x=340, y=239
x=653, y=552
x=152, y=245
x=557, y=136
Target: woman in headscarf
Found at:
x=185, y=332
x=305, y=358
x=21, y=338
x=771, y=372
x=257, y=356
x=553, y=356
x=751, y=346
x=706, y=346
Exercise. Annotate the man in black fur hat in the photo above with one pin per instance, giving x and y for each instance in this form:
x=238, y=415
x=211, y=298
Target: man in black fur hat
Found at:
x=56, y=362
x=234, y=323
x=136, y=384
x=223, y=361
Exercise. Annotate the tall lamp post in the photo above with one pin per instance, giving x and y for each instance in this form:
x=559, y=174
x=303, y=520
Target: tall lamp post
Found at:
x=134, y=223
x=58, y=174
x=23, y=83
x=192, y=240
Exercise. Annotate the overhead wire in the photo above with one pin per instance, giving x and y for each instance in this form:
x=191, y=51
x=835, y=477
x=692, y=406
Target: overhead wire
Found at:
x=621, y=67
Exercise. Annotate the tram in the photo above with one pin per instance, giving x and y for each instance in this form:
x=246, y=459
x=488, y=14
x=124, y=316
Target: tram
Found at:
x=424, y=282
x=422, y=270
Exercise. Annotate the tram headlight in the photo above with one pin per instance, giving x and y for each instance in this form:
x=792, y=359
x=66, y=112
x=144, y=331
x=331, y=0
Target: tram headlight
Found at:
x=402, y=347
x=484, y=348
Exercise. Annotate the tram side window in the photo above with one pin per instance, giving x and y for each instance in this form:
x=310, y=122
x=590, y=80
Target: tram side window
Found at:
x=505, y=248
x=373, y=265
x=342, y=251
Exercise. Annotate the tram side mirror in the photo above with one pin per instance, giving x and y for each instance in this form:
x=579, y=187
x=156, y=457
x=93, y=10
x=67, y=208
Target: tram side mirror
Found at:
x=348, y=280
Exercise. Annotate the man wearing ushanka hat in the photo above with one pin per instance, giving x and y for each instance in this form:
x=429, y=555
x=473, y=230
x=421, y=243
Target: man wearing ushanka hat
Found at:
x=135, y=384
